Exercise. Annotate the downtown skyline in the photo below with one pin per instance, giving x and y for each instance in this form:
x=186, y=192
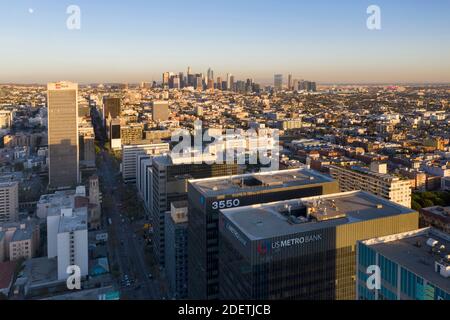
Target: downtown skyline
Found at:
x=324, y=41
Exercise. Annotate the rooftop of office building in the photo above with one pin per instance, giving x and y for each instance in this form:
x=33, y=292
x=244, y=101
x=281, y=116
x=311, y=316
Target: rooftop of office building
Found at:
x=418, y=251
x=259, y=181
x=75, y=221
x=183, y=158
x=310, y=214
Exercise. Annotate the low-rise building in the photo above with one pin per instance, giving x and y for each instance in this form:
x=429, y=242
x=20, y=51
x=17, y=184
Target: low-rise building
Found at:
x=437, y=217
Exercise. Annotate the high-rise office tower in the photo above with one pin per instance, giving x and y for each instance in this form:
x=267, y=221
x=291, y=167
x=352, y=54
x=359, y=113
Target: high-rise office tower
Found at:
x=278, y=82
x=182, y=80
x=191, y=80
x=174, y=82
x=199, y=82
x=208, y=196
x=224, y=85
x=228, y=87
x=249, y=85
x=165, y=79
x=62, y=103
x=303, y=249
x=232, y=84
x=210, y=75
x=160, y=111
x=290, y=87
x=169, y=183
x=219, y=83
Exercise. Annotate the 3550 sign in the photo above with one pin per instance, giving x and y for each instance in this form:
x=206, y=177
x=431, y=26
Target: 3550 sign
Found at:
x=225, y=204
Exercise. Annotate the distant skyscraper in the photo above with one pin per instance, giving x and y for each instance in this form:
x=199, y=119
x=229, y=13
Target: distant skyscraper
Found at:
x=182, y=80
x=229, y=81
x=278, y=82
x=174, y=82
x=199, y=82
x=290, y=82
x=166, y=78
x=209, y=75
x=62, y=103
x=219, y=83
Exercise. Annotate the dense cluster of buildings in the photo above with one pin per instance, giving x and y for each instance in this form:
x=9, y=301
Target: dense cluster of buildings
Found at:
x=353, y=162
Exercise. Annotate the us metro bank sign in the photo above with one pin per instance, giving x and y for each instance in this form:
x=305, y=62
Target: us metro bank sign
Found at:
x=265, y=247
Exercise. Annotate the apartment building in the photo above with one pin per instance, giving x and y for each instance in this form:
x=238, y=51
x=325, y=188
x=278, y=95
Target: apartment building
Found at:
x=387, y=186
x=19, y=240
x=9, y=201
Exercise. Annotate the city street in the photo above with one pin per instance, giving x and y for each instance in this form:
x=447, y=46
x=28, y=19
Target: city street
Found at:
x=126, y=249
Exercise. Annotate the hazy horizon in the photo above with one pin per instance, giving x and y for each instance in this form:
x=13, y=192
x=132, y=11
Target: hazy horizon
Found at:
x=137, y=41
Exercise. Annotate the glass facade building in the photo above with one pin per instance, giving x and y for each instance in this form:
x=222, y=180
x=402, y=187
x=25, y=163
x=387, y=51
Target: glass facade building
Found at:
x=302, y=249
x=169, y=184
x=207, y=197
x=410, y=268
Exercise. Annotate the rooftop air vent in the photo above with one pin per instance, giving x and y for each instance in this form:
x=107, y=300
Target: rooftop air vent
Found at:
x=432, y=243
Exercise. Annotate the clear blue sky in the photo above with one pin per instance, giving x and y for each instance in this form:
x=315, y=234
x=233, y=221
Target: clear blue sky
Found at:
x=136, y=40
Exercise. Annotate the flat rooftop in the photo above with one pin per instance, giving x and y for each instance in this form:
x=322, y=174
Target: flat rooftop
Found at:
x=74, y=223
x=39, y=272
x=259, y=181
x=23, y=234
x=290, y=217
x=411, y=251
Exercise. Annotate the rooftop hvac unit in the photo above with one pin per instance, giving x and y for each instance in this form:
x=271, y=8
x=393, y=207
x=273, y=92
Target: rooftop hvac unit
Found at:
x=432, y=243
